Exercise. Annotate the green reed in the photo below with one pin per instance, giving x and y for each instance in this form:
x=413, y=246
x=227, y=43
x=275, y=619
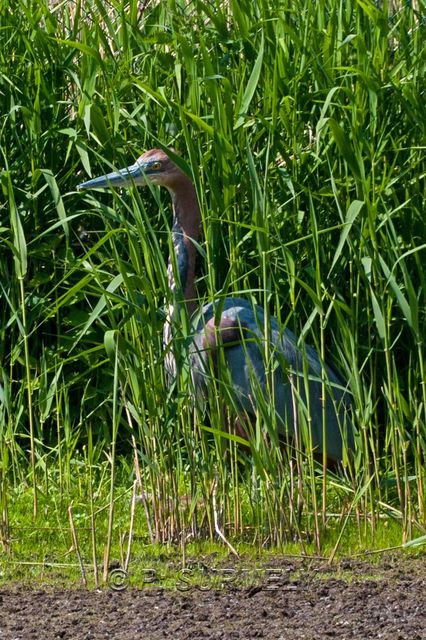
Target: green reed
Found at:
x=303, y=127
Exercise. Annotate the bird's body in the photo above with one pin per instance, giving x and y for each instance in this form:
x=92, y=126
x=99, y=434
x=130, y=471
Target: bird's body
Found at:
x=262, y=360
x=294, y=374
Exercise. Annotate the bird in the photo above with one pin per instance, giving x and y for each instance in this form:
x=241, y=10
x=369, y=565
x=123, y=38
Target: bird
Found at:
x=232, y=333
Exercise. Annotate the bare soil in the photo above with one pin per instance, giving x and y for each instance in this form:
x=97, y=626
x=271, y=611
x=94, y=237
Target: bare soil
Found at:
x=293, y=600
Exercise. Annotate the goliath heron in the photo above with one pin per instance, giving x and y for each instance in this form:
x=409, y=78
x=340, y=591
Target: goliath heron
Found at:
x=236, y=327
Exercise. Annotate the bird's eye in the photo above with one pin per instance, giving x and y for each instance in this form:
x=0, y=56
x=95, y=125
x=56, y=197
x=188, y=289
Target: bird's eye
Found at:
x=155, y=166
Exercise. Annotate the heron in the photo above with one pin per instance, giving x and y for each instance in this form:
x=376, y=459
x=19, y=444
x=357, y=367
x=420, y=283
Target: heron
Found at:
x=233, y=329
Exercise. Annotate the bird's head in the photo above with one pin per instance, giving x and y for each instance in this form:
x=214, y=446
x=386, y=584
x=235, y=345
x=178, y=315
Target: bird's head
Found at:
x=153, y=166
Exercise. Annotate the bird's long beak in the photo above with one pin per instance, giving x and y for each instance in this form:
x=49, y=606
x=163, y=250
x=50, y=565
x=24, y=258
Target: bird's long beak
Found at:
x=124, y=178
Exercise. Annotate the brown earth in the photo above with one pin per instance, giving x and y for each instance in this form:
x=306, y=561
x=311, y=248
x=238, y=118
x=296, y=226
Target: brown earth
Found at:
x=290, y=599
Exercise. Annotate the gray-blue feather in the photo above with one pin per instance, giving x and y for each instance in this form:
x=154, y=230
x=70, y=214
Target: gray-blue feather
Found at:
x=297, y=373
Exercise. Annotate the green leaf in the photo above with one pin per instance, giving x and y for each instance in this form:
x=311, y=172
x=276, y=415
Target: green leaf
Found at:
x=19, y=242
x=84, y=48
x=57, y=198
x=417, y=542
x=343, y=143
x=251, y=87
x=401, y=299
x=378, y=316
x=351, y=215
x=100, y=306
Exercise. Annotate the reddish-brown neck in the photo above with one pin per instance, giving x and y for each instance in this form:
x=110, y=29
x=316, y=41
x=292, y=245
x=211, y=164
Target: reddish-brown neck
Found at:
x=185, y=233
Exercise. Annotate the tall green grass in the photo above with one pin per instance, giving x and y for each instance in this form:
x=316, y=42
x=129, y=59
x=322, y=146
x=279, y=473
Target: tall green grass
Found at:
x=304, y=127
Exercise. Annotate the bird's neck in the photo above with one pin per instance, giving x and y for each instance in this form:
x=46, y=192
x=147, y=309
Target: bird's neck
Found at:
x=185, y=233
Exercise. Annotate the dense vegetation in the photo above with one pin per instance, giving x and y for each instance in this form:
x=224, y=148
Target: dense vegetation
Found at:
x=303, y=124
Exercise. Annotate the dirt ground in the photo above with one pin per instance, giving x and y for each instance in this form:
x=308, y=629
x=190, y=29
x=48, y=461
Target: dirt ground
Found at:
x=291, y=600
